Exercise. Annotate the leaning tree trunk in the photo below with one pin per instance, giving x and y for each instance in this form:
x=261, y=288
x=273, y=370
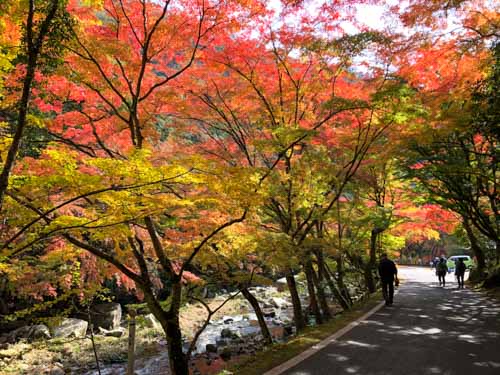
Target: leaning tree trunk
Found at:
x=320, y=290
x=319, y=282
x=343, y=302
x=260, y=317
x=340, y=280
x=474, y=244
x=313, y=302
x=298, y=315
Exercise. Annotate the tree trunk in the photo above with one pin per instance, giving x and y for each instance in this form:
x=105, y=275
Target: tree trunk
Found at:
x=33, y=51
x=369, y=281
x=260, y=317
x=322, y=281
x=313, y=302
x=346, y=305
x=4, y=309
x=21, y=123
x=370, y=266
x=340, y=280
x=474, y=244
x=321, y=296
x=177, y=358
x=298, y=315
x=169, y=321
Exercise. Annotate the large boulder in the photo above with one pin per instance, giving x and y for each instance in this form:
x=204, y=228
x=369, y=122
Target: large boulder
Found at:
x=16, y=335
x=39, y=332
x=106, y=315
x=71, y=328
x=31, y=333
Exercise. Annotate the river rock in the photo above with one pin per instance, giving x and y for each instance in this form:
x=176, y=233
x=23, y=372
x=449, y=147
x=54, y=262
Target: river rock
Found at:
x=39, y=332
x=31, y=333
x=106, y=315
x=267, y=305
x=279, y=303
x=269, y=313
x=226, y=333
x=211, y=348
x=57, y=369
x=281, y=281
x=17, y=334
x=221, y=343
x=71, y=328
x=277, y=332
x=289, y=329
x=118, y=332
x=152, y=322
x=238, y=318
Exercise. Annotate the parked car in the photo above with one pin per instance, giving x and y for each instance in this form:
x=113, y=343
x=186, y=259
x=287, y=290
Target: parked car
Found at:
x=454, y=259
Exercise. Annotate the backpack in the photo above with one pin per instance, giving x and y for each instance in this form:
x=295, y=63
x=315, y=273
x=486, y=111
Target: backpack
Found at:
x=442, y=267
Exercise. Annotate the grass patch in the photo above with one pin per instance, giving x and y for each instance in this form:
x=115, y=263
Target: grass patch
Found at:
x=277, y=354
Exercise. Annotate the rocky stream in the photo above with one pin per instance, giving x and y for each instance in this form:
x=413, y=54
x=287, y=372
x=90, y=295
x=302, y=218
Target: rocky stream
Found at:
x=226, y=337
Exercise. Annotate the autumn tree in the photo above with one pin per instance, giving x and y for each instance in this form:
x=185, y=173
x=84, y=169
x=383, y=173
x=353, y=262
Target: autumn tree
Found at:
x=35, y=32
x=312, y=105
x=110, y=185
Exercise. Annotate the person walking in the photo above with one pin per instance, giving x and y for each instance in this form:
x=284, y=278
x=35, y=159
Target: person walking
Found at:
x=441, y=270
x=388, y=275
x=435, y=262
x=460, y=268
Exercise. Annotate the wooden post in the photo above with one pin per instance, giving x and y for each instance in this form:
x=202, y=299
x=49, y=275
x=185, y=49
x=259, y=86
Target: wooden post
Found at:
x=131, y=341
x=92, y=339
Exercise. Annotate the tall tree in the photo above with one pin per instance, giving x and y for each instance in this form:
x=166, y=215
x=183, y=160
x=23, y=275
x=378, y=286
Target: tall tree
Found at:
x=115, y=198
x=45, y=26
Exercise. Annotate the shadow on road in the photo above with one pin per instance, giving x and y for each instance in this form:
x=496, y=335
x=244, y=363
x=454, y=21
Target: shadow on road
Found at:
x=429, y=330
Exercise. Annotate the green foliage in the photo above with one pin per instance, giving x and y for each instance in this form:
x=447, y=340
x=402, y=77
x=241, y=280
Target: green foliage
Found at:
x=59, y=31
x=486, y=99
x=350, y=45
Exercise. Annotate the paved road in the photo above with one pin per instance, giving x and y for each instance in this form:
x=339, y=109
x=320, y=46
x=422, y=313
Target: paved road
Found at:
x=428, y=330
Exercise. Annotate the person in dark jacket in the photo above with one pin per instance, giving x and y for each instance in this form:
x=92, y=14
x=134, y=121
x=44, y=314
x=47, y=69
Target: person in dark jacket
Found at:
x=441, y=270
x=460, y=268
x=388, y=275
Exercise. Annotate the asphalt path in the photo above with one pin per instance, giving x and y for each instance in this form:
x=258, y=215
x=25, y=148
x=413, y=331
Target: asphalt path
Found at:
x=428, y=330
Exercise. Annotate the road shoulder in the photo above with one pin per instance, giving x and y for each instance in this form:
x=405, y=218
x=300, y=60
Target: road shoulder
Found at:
x=274, y=360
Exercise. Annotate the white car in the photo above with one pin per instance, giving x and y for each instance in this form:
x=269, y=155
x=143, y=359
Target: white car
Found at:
x=452, y=261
